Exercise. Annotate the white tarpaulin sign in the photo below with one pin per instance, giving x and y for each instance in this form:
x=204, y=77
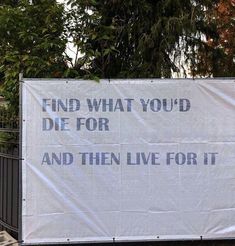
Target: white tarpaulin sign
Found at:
x=128, y=160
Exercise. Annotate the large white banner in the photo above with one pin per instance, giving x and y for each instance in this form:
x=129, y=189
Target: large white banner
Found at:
x=128, y=160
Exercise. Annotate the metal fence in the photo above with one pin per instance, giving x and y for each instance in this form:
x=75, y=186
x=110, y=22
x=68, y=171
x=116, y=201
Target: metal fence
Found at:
x=9, y=172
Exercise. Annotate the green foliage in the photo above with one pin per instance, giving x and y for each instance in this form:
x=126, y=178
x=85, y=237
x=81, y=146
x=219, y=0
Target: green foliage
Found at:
x=140, y=38
x=9, y=139
x=32, y=40
x=114, y=39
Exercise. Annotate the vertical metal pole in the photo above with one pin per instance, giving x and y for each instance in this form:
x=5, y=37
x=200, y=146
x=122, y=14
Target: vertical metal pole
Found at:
x=20, y=159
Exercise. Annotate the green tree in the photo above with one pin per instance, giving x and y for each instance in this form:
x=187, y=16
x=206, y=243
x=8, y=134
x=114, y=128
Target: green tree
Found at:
x=141, y=38
x=114, y=39
x=32, y=41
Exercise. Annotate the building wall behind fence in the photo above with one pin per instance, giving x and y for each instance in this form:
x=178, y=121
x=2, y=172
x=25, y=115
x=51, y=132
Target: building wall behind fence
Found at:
x=9, y=172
